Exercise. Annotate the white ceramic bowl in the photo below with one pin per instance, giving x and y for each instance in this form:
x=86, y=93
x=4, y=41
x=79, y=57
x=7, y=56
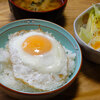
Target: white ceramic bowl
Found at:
x=88, y=52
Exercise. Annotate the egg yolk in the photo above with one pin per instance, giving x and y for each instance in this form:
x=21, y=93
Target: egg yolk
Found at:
x=36, y=45
x=96, y=45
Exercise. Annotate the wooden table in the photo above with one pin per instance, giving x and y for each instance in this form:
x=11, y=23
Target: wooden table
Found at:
x=87, y=84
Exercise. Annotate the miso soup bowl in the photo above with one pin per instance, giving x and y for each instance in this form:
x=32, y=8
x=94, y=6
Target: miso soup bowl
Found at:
x=21, y=13
x=61, y=35
x=88, y=52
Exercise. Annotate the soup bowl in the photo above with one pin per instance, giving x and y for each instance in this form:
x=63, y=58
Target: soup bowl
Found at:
x=52, y=15
x=61, y=35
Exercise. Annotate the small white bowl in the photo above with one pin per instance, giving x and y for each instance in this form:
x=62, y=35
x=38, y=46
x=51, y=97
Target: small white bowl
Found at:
x=88, y=51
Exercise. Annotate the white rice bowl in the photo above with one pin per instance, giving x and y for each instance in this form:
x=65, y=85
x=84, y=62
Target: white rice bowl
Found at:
x=29, y=80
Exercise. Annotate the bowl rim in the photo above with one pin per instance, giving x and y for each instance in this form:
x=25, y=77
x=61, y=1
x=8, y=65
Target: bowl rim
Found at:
x=64, y=3
x=75, y=32
x=52, y=91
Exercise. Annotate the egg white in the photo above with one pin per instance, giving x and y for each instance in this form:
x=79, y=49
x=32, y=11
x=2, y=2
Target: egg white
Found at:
x=52, y=61
x=45, y=71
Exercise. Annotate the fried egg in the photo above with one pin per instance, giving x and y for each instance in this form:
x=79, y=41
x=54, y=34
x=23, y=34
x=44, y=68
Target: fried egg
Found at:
x=38, y=59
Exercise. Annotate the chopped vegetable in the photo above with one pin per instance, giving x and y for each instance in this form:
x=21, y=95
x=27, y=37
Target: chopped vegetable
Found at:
x=93, y=25
x=91, y=33
x=85, y=35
